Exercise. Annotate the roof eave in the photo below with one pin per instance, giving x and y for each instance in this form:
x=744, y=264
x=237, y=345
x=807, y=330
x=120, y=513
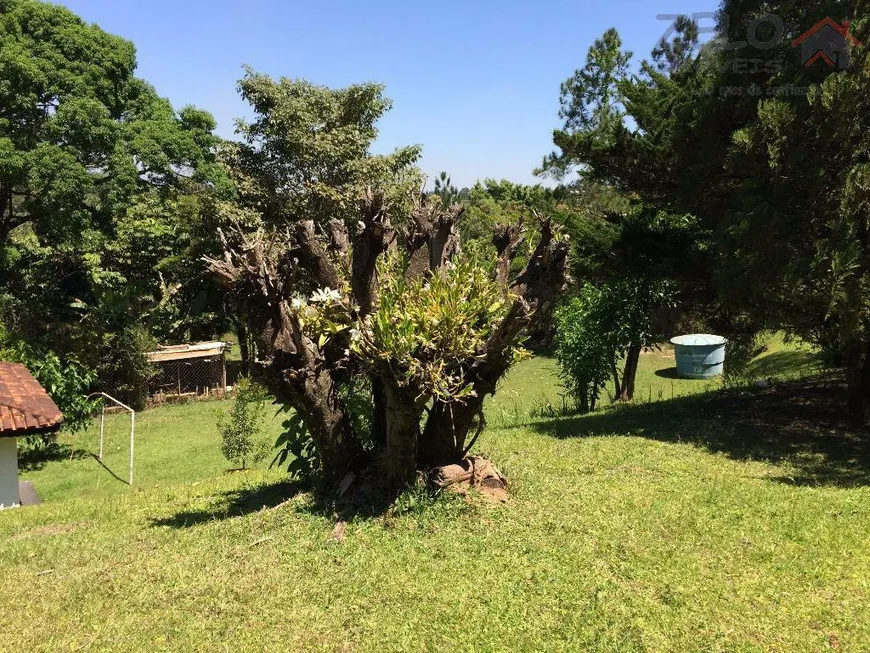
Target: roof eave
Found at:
x=20, y=433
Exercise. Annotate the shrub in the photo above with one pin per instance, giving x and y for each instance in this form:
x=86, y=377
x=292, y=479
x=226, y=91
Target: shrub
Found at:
x=585, y=358
x=601, y=326
x=240, y=429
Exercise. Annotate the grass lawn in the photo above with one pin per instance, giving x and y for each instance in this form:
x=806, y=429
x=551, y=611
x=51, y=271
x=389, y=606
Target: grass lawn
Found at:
x=708, y=522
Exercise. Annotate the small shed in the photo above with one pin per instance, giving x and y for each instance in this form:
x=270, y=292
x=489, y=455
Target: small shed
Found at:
x=193, y=368
x=25, y=409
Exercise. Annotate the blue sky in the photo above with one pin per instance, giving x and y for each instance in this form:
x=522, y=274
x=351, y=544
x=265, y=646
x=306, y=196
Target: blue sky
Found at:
x=475, y=82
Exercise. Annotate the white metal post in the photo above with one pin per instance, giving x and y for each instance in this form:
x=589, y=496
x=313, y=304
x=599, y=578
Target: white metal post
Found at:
x=102, y=429
x=132, y=431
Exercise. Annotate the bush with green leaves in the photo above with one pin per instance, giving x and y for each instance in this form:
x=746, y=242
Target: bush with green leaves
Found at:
x=601, y=326
x=427, y=328
x=584, y=356
x=241, y=428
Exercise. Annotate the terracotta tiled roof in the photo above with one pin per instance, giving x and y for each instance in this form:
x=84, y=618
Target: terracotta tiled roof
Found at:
x=25, y=408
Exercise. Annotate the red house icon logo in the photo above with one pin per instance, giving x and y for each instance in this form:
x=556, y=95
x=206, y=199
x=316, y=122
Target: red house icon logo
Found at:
x=827, y=40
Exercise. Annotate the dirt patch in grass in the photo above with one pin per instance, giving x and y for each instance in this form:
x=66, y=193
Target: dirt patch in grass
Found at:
x=52, y=529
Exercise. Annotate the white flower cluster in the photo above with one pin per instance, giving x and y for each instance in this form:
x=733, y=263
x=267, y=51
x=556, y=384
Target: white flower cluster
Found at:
x=325, y=296
x=321, y=296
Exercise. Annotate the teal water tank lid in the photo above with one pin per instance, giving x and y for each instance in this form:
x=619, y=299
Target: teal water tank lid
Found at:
x=698, y=339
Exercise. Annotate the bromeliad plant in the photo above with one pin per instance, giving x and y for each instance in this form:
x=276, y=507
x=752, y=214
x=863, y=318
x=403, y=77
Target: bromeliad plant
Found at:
x=432, y=330
x=425, y=329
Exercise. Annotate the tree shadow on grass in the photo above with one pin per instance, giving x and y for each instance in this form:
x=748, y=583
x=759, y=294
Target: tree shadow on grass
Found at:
x=234, y=503
x=782, y=363
x=360, y=503
x=802, y=424
x=34, y=459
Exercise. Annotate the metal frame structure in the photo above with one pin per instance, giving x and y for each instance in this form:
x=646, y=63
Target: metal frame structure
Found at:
x=103, y=426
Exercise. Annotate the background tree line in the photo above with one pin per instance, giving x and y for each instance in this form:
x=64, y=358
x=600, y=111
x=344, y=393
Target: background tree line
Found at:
x=763, y=192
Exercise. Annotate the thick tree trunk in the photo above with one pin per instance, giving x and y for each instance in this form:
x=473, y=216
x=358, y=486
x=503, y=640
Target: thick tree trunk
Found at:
x=379, y=414
x=314, y=395
x=584, y=399
x=629, y=374
x=244, y=344
x=858, y=378
x=403, y=412
x=443, y=439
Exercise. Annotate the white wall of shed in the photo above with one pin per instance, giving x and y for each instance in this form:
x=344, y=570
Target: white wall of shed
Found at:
x=9, y=472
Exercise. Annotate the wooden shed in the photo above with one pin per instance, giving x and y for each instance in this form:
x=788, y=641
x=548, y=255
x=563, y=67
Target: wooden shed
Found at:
x=25, y=409
x=194, y=368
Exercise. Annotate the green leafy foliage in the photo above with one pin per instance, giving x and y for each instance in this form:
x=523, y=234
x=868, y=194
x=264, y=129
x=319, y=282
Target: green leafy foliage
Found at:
x=493, y=202
x=296, y=446
x=767, y=154
x=591, y=104
x=66, y=381
x=426, y=329
x=102, y=185
x=241, y=428
x=307, y=151
x=584, y=357
x=598, y=327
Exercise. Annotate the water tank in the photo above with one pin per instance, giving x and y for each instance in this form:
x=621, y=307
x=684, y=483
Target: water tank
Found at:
x=699, y=355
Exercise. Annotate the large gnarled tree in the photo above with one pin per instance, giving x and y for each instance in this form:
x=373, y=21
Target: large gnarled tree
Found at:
x=341, y=282
x=432, y=329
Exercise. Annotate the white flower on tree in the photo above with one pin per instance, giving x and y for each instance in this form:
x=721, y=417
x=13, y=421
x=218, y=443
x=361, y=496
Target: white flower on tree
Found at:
x=325, y=296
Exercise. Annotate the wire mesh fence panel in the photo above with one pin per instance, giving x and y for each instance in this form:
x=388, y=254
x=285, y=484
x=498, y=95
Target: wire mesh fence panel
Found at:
x=174, y=371
x=192, y=376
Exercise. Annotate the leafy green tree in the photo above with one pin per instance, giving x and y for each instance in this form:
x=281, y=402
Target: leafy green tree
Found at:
x=673, y=56
x=500, y=202
x=79, y=133
x=312, y=157
x=434, y=329
x=770, y=159
x=100, y=186
x=591, y=103
x=602, y=326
